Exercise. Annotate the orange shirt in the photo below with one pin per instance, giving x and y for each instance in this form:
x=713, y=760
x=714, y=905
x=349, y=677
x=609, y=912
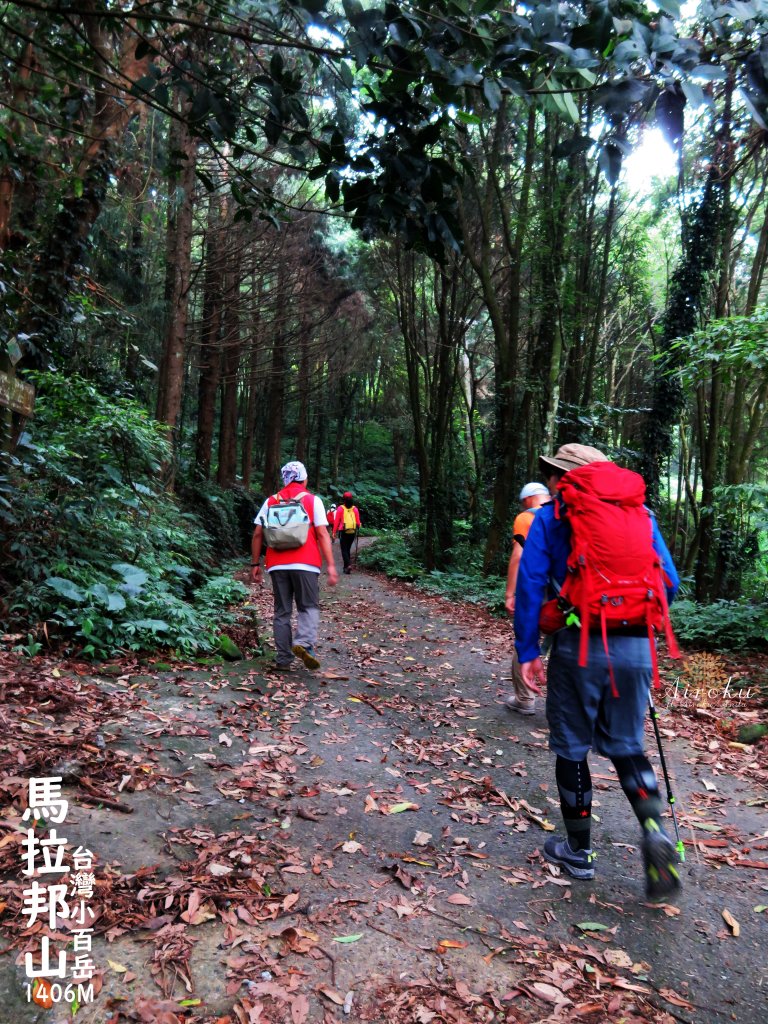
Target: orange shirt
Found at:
x=522, y=525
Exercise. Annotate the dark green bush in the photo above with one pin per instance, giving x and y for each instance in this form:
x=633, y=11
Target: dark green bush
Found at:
x=470, y=587
x=392, y=555
x=227, y=516
x=94, y=552
x=722, y=625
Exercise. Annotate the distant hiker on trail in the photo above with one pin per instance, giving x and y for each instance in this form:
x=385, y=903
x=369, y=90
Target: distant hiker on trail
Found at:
x=532, y=496
x=598, y=678
x=294, y=526
x=331, y=518
x=346, y=525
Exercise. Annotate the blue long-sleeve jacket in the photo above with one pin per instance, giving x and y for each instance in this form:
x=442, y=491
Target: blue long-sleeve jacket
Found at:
x=545, y=558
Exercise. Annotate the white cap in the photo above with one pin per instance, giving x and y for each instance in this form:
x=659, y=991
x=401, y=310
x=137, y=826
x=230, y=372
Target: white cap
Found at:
x=531, y=489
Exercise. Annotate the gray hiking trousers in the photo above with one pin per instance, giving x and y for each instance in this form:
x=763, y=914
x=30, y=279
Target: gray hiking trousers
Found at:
x=301, y=587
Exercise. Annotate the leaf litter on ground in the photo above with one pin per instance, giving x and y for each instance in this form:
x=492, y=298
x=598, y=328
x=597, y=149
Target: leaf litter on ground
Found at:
x=241, y=878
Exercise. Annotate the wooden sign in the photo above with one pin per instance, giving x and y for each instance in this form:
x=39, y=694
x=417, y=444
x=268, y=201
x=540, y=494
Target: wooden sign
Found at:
x=16, y=395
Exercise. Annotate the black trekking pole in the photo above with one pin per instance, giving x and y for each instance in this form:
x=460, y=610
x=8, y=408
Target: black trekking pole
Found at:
x=357, y=544
x=670, y=798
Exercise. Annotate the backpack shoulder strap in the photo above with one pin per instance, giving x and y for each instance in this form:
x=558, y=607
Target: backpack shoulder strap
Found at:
x=310, y=511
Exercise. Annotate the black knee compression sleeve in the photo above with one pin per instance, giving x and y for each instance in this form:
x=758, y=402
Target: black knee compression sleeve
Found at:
x=638, y=780
x=574, y=784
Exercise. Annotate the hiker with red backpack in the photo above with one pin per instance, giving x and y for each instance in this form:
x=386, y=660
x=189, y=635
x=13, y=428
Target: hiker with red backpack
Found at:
x=597, y=554
x=293, y=526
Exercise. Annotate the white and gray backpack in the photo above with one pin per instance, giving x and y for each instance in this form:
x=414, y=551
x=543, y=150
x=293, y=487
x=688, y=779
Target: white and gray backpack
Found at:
x=286, y=523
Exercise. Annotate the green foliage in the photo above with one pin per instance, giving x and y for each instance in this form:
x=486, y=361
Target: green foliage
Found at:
x=741, y=533
x=421, y=61
x=30, y=648
x=469, y=587
x=93, y=551
x=382, y=508
x=736, y=345
x=722, y=625
x=393, y=555
x=219, y=592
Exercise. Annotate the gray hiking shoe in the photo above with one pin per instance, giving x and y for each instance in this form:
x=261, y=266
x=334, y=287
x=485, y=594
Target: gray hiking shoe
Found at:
x=661, y=862
x=522, y=706
x=578, y=863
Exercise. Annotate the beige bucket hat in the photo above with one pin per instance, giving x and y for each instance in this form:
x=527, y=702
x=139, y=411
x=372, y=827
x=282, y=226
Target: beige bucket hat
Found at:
x=570, y=456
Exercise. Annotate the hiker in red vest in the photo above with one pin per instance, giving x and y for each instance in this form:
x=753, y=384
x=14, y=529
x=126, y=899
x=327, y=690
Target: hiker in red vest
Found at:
x=599, y=677
x=346, y=525
x=294, y=559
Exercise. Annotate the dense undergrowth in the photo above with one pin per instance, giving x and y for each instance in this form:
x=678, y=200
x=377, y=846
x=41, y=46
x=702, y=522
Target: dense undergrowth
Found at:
x=722, y=625
x=97, y=556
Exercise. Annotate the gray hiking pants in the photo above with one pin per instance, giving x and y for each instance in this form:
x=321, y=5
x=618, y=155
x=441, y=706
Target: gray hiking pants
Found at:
x=303, y=588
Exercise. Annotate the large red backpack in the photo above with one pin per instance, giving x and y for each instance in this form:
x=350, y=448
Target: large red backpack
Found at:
x=615, y=577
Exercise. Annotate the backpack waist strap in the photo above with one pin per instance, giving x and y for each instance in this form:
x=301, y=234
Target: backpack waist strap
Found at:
x=618, y=631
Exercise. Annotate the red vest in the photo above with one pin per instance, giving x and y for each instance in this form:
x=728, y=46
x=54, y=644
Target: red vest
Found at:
x=308, y=553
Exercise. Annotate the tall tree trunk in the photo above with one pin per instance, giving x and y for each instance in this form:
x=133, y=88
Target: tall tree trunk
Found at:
x=597, y=321
x=550, y=336
x=758, y=268
x=709, y=577
x=710, y=411
x=321, y=429
x=135, y=287
x=302, y=421
x=506, y=336
x=250, y=411
x=400, y=447
x=437, y=507
x=210, y=341
x=407, y=300
x=584, y=255
x=177, y=284
x=232, y=348
x=67, y=242
x=8, y=173
x=273, y=438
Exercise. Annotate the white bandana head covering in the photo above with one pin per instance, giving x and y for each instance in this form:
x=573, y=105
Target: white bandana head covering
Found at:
x=293, y=471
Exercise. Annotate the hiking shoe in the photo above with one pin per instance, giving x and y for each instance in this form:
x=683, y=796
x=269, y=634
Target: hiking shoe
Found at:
x=661, y=862
x=578, y=863
x=307, y=655
x=283, y=666
x=521, y=705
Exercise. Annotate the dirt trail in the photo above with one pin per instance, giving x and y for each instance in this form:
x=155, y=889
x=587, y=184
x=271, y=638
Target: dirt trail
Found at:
x=392, y=802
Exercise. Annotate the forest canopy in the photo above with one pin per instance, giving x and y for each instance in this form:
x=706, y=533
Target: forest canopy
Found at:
x=397, y=242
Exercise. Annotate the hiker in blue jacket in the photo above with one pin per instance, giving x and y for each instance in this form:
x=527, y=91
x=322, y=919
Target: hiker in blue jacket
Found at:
x=582, y=711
